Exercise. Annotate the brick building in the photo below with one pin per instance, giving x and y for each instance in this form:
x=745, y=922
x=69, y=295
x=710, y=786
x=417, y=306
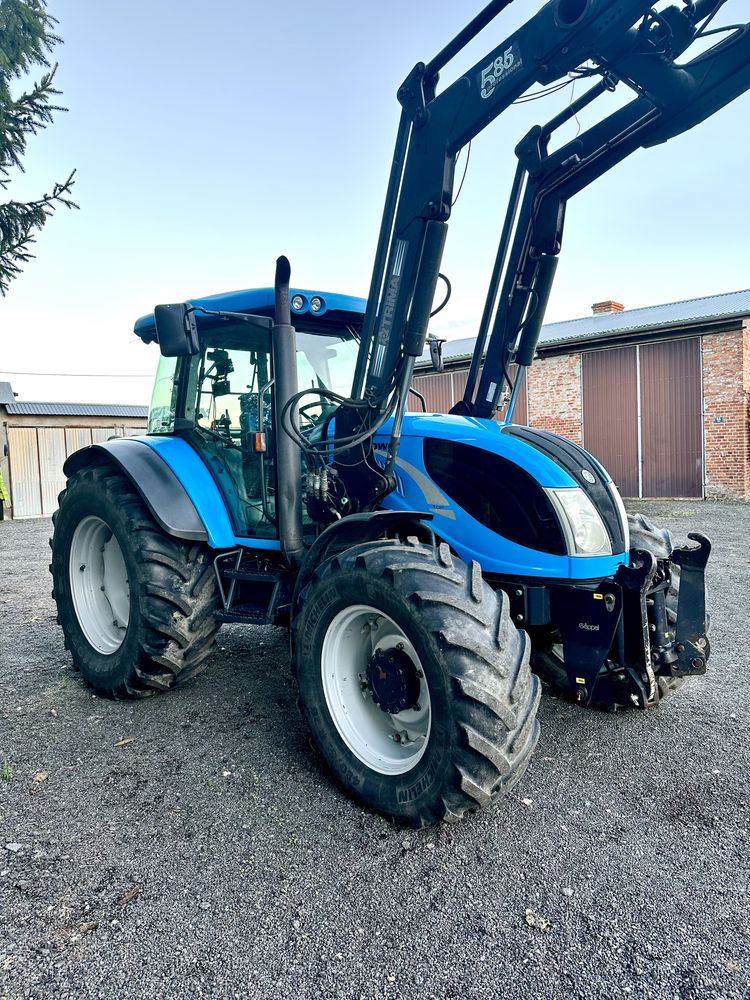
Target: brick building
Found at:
x=660, y=395
x=36, y=438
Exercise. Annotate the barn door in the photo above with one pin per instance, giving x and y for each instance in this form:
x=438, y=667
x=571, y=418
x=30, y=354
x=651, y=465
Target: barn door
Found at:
x=25, y=486
x=642, y=416
x=443, y=390
x=671, y=431
x=610, y=414
x=51, y=458
x=437, y=391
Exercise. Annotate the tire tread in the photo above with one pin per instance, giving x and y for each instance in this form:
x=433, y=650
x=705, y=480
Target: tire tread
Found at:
x=495, y=696
x=178, y=593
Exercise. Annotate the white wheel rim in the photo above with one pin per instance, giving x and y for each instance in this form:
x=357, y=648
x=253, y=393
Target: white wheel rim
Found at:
x=99, y=585
x=387, y=744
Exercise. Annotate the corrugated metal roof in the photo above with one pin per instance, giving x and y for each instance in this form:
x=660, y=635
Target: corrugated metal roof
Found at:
x=6, y=393
x=76, y=409
x=672, y=314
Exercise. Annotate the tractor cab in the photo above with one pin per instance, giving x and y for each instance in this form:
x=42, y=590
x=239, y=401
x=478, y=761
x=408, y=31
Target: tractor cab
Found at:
x=220, y=399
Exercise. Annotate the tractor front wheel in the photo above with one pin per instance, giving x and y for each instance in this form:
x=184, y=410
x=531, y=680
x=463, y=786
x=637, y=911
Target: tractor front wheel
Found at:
x=414, y=681
x=136, y=606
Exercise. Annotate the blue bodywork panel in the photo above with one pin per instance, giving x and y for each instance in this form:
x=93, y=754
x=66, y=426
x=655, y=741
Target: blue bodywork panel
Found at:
x=199, y=484
x=467, y=536
x=260, y=301
x=416, y=491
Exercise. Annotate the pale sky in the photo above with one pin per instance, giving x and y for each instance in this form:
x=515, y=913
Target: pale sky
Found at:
x=210, y=138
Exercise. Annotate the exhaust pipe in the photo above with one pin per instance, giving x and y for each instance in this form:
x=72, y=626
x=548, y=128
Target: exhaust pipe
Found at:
x=288, y=461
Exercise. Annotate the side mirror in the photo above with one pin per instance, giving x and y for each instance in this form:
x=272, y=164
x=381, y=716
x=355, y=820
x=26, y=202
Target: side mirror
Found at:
x=436, y=351
x=176, y=330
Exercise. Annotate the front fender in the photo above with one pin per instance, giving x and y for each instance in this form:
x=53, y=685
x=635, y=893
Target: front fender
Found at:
x=357, y=528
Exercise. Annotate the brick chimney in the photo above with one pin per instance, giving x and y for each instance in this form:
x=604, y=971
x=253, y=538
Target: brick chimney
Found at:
x=610, y=306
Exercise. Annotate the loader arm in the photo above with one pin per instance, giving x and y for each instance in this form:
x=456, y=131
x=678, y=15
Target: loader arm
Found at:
x=697, y=90
x=433, y=130
x=626, y=41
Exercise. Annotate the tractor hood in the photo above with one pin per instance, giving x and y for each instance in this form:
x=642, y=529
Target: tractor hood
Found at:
x=502, y=494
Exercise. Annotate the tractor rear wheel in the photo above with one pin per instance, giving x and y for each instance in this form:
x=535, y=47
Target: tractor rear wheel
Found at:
x=414, y=681
x=136, y=606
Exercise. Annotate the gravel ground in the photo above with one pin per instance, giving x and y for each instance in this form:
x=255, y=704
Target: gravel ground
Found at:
x=192, y=845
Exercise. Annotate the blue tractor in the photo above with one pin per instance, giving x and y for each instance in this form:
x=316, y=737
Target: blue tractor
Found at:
x=430, y=567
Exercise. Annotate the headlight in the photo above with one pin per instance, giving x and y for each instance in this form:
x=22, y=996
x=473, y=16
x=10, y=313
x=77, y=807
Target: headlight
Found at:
x=297, y=302
x=584, y=530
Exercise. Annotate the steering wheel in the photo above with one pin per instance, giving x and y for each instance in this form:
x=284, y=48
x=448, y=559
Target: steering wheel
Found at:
x=311, y=422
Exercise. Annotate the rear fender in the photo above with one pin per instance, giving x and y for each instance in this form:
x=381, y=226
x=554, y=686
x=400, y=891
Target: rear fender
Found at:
x=161, y=490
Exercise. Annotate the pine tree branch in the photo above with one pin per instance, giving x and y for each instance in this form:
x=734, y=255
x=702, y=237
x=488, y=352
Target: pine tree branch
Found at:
x=18, y=223
x=27, y=37
x=22, y=117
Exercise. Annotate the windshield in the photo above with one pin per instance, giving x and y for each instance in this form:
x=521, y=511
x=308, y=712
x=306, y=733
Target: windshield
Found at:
x=326, y=361
x=234, y=372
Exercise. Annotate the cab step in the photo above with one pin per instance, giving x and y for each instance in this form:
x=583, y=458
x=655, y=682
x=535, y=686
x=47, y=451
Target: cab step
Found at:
x=244, y=614
x=252, y=575
x=254, y=594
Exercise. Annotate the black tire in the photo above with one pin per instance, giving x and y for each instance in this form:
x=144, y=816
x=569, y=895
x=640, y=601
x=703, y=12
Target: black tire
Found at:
x=173, y=595
x=476, y=665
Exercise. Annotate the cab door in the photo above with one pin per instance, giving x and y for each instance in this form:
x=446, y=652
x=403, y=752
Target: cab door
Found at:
x=232, y=386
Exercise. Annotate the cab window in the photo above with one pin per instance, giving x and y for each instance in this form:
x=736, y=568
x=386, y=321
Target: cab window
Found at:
x=232, y=403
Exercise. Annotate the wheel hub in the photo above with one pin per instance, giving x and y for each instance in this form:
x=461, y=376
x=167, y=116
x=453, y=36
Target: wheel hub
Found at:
x=393, y=680
x=99, y=584
x=361, y=644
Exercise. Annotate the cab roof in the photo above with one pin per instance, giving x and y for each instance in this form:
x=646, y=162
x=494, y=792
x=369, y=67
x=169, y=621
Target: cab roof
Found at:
x=343, y=308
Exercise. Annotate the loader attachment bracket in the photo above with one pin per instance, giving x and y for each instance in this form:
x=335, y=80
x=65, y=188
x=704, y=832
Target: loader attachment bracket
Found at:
x=691, y=642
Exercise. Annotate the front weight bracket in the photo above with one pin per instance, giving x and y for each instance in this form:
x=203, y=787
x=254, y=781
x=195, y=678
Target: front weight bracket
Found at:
x=691, y=643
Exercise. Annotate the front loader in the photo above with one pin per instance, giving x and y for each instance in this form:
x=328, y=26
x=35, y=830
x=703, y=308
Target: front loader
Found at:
x=430, y=567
